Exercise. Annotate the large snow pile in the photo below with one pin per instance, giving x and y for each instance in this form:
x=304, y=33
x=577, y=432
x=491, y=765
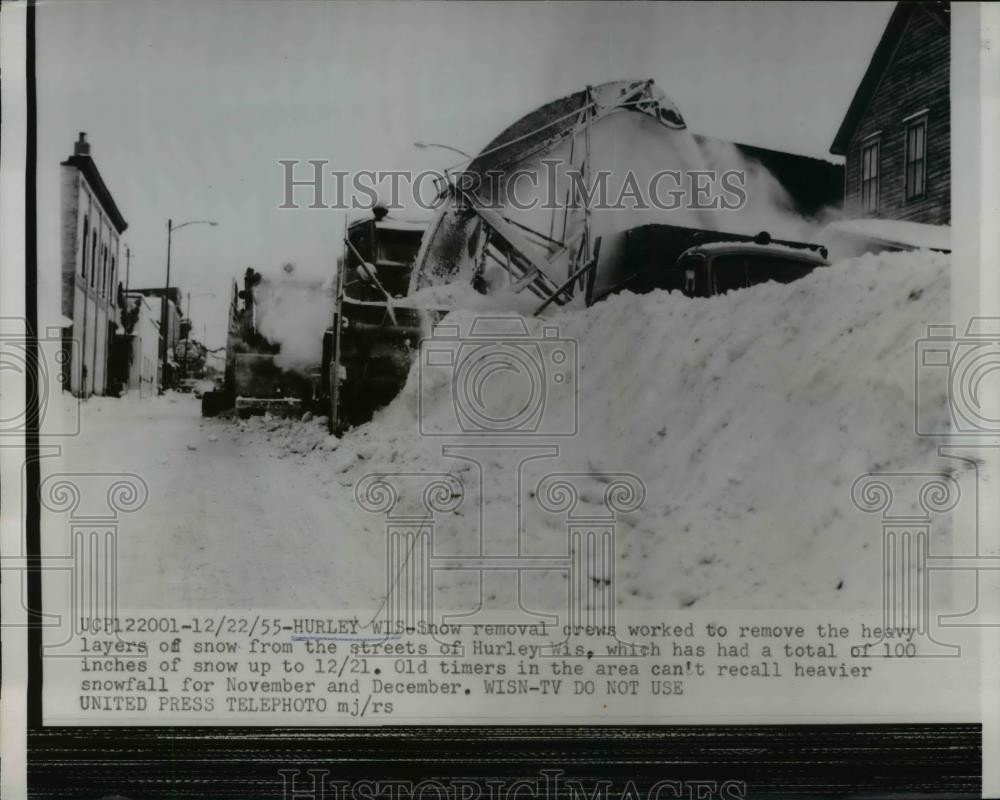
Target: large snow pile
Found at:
x=747, y=416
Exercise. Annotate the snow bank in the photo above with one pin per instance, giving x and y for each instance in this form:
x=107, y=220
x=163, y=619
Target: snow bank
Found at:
x=747, y=416
x=288, y=436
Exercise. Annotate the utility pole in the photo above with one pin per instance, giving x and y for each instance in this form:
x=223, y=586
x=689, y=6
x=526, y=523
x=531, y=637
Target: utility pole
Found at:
x=166, y=289
x=163, y=312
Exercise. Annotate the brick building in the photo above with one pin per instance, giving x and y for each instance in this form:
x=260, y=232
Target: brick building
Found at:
x=91, y=229
x=896, y=135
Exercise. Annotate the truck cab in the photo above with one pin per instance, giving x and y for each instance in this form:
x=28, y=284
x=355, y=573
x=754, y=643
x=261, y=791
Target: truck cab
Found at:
x=701, y=263
x=722, y=267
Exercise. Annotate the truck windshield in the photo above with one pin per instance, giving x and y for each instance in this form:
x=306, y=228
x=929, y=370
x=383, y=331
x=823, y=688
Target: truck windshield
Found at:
x=741, y=270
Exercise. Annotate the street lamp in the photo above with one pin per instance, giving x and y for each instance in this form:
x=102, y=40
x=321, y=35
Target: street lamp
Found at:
x=447, y=175
x=425, y=145
x=164, y=331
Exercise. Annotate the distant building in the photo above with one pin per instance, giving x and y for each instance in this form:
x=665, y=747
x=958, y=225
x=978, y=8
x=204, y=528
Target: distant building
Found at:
x=91, y=228
x=135, y=359
x=896, y=135
x=174, y=326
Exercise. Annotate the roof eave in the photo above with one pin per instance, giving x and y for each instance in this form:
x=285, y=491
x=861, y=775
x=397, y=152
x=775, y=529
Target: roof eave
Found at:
x=873, y=74
x=87, y=166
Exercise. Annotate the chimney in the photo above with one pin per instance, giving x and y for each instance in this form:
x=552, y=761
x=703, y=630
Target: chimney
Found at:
x=81, y=147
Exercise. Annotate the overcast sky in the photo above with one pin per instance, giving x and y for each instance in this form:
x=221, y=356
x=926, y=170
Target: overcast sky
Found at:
x=190, y=105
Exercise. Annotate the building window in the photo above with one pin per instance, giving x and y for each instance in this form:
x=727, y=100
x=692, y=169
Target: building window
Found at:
x=916, y=159
x=869, y=177
x=83, y=255
x=104, y=271
x=93, y=258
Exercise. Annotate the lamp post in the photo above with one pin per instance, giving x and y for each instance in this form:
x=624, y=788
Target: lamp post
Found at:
x=425, y=145
x=164, y=323
x=439, y=146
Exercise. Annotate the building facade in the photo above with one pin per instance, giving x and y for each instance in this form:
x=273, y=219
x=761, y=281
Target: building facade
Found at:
x=136, y=361
x=91, y=231
x=174, y=327
x=896, y=135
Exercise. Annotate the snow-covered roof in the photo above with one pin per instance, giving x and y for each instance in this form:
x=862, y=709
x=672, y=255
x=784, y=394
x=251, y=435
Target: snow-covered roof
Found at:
x=714, y=248
x=392, y=224
x=894, y=232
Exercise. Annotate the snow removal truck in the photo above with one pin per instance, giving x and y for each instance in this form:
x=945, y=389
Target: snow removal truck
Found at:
x=278, y=375
x=573, y=246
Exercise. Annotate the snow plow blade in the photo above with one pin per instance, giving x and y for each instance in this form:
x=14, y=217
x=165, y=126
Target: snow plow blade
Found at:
x=372, y=341
x=275, y=406
x=373, y=358
x=215, y=403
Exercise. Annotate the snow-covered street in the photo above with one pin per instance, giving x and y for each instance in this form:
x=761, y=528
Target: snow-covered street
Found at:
x=746, y=416
x=232, y=518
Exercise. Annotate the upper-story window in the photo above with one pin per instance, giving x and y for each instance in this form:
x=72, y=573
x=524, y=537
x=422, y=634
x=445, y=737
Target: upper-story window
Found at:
x=83, y=254
x=93, y=258
x=870, y=176
x=915, y=176
x=104, y=271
